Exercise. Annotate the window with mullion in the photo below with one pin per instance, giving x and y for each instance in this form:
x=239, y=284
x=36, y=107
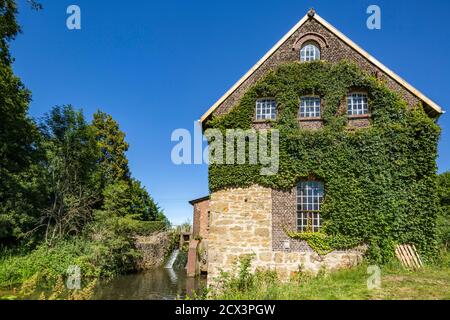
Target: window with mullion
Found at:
x=357, y=104
x=266, y=109
x=309, y=199
x=309, y=52
x=309, y=107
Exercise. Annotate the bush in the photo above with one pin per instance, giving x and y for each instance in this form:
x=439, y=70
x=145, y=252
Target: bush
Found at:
x=45, y=263
x=104, y=250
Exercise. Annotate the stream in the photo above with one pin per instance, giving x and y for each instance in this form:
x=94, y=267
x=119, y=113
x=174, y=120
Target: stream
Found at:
x=157, y=284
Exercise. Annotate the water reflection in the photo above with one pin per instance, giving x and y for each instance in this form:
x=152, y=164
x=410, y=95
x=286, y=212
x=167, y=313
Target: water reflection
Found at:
x=172, y=275
x=157, y=284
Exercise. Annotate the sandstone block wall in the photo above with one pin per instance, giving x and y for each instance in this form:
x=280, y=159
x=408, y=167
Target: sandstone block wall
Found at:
x=242, y=223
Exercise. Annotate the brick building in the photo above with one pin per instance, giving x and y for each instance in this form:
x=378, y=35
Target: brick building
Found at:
x=250, y=220
x=197, y=255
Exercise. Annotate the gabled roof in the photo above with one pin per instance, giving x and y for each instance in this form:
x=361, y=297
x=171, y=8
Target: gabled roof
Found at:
x=313, y=15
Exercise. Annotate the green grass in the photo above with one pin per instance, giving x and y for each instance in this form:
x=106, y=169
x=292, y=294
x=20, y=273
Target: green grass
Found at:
x=429, y=283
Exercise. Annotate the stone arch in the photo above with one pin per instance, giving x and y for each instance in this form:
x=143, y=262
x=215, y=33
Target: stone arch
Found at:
x=311, y=36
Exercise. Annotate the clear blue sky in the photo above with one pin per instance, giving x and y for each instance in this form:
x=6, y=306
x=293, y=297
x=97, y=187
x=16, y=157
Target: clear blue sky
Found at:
x=158, y=65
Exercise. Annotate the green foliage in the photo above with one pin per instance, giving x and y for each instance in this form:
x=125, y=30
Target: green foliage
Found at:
x=112, y=240
x=143, y=206
x=117, y=199
x=122, y=195
x=46, y=263
x=112, y=145
x=145, y=228
x=323, y=243
x=240, y=278
x=129, y=198
x=380, y=181
x=105, y=256
x=443, y=221
x=71, y=161
x=20, y=196
x=444, y=189
x=9, y=28
x=66, y=192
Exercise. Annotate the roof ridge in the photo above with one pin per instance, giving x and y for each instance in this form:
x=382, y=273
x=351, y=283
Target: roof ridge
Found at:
x=313, y=15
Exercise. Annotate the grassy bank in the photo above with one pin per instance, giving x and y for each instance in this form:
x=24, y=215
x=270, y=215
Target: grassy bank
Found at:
x=432, y=282
x=104, y=251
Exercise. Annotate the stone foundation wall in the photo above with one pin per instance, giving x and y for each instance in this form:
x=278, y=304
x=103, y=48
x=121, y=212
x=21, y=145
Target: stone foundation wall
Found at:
x=241, y=223
x=154, y=249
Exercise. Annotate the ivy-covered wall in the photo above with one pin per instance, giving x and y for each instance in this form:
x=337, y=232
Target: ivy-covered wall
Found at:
x=380, y=181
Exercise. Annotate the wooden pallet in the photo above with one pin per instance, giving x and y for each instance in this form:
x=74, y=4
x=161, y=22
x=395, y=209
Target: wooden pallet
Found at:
x=408, y=256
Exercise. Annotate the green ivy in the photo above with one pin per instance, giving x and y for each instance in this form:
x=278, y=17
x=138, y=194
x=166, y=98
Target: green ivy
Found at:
x=323, y=243
x=380, y=181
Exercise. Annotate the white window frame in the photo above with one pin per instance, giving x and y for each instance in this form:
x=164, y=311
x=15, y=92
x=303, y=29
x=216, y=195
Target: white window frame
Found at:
x=310, y=107
x=310, y=51
x=310, y=195
x=266, y=109
x=357, y=104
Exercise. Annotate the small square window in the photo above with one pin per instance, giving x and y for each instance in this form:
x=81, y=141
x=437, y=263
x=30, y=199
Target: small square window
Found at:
x=310, y=107
x=357, y=104
x=266, y=109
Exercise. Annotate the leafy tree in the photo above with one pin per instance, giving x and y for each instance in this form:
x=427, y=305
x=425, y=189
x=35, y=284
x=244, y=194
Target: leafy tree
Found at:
x=123, y=199
x=143, y=204
x=117, y=199
x=123, y=196
x=9, y=28
x=71, y=162
x=19, y=191
x=112, y=145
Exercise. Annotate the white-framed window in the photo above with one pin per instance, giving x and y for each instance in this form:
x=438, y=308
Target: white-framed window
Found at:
x=357, y=104
x=266, y=109
x=309, y=52
x=309, y=107
x=309, y=199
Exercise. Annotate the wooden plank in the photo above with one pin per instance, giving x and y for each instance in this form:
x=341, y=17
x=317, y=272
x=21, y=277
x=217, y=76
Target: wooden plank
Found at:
x=414, y=256
x=411, y=256
x=404, y=257
x=400, y=256
x=417, y=254
x=408, y=257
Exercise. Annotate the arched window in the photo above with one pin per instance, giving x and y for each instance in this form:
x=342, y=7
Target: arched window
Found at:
x=309, y=52
x=309, y=199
